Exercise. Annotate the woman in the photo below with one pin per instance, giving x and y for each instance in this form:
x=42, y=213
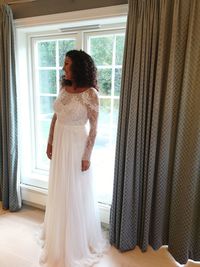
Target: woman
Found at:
x=72, y=234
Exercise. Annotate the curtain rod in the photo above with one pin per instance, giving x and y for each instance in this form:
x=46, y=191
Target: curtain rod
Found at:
x=86, y=27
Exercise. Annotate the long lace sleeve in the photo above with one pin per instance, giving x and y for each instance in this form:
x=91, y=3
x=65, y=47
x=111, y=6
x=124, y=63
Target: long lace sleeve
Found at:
x=51, y=130
x=92, y=103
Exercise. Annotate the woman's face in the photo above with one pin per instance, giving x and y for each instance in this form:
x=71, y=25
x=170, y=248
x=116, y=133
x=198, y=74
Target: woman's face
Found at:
x=67, y=68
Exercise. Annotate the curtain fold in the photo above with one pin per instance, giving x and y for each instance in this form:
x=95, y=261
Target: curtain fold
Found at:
x=9, y=183
x=157, y=166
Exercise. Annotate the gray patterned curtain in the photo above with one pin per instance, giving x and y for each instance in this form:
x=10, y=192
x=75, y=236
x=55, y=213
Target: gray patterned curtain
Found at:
x=9, y=184
x=156, y=197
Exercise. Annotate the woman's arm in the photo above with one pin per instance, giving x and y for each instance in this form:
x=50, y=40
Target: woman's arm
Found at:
x=93, y=112
x=50, y=139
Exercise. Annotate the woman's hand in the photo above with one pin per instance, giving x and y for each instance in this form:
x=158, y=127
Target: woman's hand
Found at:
x=85, y=165
x=49, y=151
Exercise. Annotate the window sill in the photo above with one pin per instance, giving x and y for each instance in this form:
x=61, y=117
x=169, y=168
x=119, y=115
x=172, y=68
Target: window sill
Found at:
x=35, y=196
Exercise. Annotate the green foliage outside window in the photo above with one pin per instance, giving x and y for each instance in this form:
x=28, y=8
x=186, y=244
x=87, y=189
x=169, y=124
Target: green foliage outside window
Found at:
x=104, y=81
x=47, y=54
x=101, y=50
x=107, y=52
x=47, y=81
x=64, y=47
x=119, y=49
x=117, y=81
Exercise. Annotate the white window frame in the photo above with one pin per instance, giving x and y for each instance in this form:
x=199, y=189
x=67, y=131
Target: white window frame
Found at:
x=119, y=31
x=34, y=40
x=107, y=161
x=25, y=30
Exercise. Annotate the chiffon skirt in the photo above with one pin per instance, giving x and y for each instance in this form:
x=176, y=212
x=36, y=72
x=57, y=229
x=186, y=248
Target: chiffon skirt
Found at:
x=71, y=233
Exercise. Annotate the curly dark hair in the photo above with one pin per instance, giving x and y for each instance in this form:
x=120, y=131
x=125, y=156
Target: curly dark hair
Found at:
x=84, y=71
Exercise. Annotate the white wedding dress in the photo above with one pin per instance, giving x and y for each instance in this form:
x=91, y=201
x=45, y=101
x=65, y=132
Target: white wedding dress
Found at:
x=71, y=232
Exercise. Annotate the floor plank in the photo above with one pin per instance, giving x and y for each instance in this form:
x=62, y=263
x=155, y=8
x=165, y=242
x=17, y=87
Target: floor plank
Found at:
x=19, y=248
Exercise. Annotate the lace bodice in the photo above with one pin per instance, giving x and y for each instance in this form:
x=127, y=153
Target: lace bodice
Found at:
x=75, y=109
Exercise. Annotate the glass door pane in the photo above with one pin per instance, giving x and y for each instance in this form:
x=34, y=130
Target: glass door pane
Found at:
x=106, y=48
x=49, y=59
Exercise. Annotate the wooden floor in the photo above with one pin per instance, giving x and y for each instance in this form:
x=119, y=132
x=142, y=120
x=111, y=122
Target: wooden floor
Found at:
x=18, y=246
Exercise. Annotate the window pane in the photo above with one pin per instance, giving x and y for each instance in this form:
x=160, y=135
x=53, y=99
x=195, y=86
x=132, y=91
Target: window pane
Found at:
x=104, y=79
x=47, y=81
x=103, y=155
x=43, y=130
x=115, y=120
x=104, y=123
x=46, y=104
x=116, y=112
x=118, y=76
x=64, y=47
x=101, y=50
x=47, y=54
x=119, y=49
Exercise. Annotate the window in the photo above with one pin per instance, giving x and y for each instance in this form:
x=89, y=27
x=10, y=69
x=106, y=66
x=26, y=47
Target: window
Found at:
x=106, y=48
x=47, y=60
x=47, y=50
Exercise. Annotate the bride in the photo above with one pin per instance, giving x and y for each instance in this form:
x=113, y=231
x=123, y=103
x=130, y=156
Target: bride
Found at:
x=72, y=233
